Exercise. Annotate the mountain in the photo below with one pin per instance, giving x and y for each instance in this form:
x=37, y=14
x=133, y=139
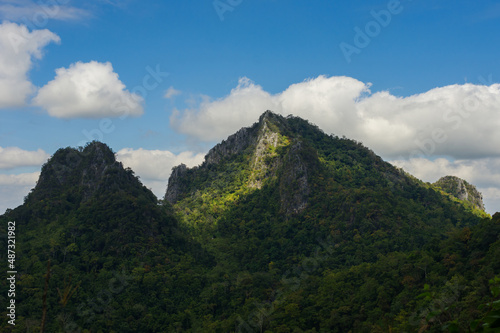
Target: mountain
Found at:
x=111, y=250
x=88, y=193
x=289, y=170
x=461, y=190
x=282, y=228
x=291, y=214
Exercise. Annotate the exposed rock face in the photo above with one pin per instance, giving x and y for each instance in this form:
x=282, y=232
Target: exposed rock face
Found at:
x=294, y=186
x=233, y=145
x=461, y=190
x=242, y=139
x=175, y=183
x=260, y=144
x=263, y=163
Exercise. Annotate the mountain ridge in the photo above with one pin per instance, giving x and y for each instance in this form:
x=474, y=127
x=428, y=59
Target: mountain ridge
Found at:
x=306, y=173
x=263, y=139
x=283, y=228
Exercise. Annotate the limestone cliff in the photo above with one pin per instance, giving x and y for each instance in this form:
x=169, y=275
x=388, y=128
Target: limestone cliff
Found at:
x=267, y=154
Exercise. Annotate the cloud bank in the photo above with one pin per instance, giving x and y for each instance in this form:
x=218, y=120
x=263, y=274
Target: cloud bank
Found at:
x=481, y=172
x=460, y=121
x=14, y=187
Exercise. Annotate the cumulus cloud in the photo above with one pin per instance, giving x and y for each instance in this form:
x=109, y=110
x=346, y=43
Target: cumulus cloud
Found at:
x=171, y=92
x=13, y=157
x=13, y=188
x=88, y=90
x=482, y=173
x=458, y=120
x=18, y=48
x=39, y=13
x=154, y=166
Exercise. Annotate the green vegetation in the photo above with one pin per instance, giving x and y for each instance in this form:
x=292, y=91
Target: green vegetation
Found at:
x=292, y=231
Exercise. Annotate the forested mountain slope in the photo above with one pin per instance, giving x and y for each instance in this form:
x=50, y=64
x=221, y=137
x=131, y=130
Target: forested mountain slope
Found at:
x=283, y=228
x=285, y=208
x=113, y=251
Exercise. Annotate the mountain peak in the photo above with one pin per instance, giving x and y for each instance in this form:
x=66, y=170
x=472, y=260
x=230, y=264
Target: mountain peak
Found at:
x=90, y=169
x=271, y=151
x=461, y=190
x=269, y=115
x=245, y=137
x=258, y=141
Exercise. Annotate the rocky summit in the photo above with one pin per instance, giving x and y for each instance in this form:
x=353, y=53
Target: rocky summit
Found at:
x=461, y=190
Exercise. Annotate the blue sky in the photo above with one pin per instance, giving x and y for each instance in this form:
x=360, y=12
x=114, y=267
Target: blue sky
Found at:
x=163, y=81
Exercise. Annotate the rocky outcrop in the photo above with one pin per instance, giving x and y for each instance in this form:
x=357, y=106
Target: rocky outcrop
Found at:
x=176, y=184
x=260, y=143
x=294, y=185
x=264, y=163
x=242, y=139
x=461, y=190
x=261, y=138
x=233, y=145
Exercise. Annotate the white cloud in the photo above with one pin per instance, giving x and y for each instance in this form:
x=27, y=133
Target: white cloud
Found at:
x=13, y=188
x=23, y=179
x=171, y=92
x=154, y=166
x=458, y=120
x=482, y=173
x=88, y=90
x=13, y=157
x=39, y=13
x=18, y=48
